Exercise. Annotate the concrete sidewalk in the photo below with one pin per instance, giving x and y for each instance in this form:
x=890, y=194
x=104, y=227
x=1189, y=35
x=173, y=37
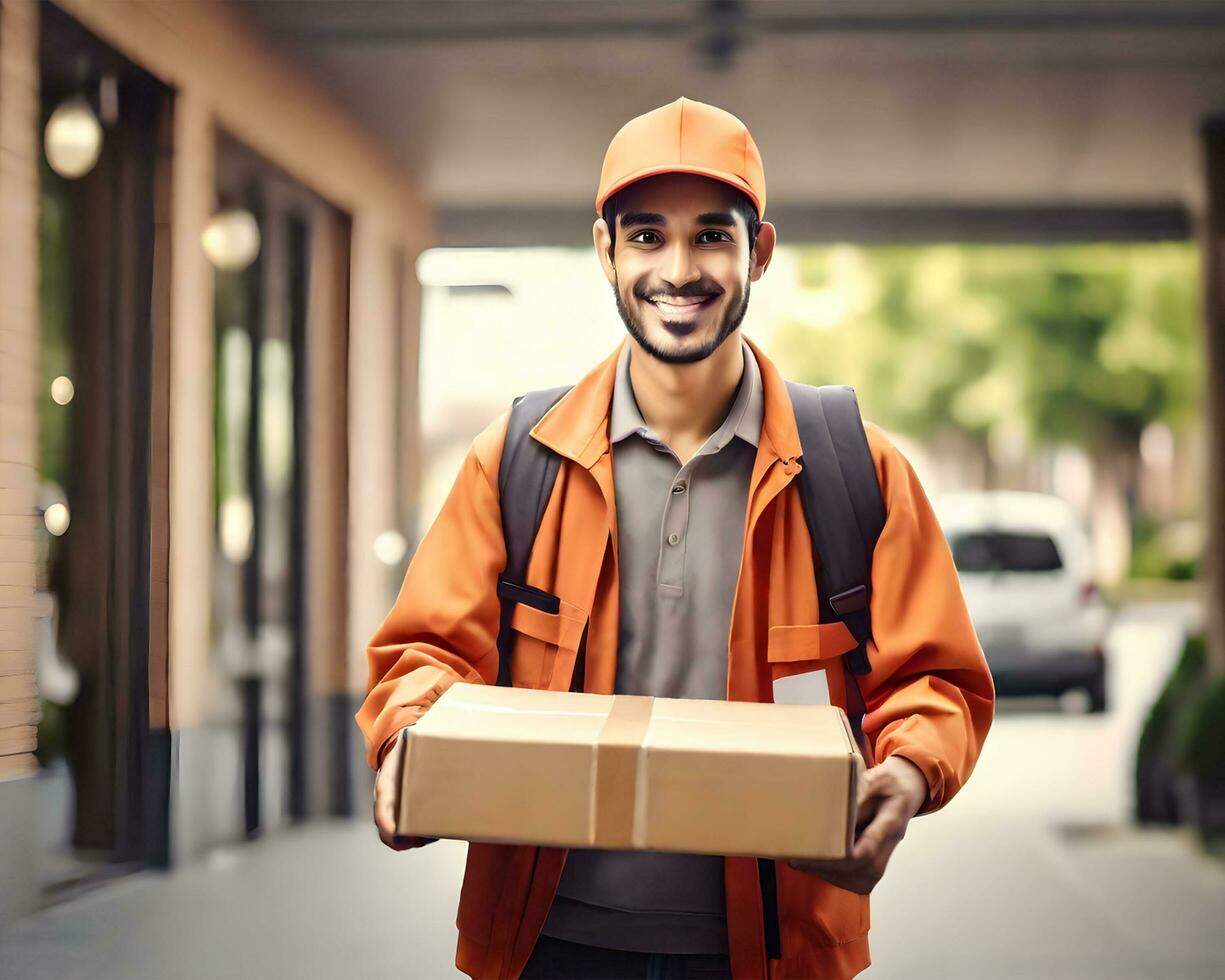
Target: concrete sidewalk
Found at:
x=1021, y=898
x=963, y=898
x=324, y=901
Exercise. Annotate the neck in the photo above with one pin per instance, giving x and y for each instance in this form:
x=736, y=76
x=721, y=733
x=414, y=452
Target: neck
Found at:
x=686, y=402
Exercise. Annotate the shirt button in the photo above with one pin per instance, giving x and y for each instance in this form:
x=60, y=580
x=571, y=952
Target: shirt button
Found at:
x=674, y=538
x=679, y=487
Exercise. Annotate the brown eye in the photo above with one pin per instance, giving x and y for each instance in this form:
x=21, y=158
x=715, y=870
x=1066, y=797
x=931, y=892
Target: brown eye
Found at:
x=635, y=235
x=724, y=238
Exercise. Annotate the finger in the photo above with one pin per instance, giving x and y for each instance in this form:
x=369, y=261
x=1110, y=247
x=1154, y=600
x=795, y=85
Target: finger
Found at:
x=384, y=814
x=850, y=875
x=832, y=865
x=401, y=842
x=879, y=838
x=828, y=866
x=874, y=784
x=871, y=792
x=863, y=785
x=866, y=813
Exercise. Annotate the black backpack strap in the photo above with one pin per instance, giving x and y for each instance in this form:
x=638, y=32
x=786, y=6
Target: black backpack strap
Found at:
x=845, y=513
x=526, y=476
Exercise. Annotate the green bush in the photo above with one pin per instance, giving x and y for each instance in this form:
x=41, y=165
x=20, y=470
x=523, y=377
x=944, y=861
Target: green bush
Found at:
x=1183, y=679
x=1156, y=754
x=1183, y=569
x=1201, y=737
x=1150, y=560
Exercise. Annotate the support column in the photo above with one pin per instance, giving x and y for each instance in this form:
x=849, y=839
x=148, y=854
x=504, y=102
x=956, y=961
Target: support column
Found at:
x=191, y=415
x=196, y=783
x=375, y=483
x=327, y=514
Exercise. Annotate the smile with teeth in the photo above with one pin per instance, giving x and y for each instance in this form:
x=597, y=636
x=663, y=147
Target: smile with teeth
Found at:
x=682, y=306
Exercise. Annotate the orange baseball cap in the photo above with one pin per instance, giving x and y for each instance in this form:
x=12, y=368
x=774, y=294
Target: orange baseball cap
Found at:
x=685, y=137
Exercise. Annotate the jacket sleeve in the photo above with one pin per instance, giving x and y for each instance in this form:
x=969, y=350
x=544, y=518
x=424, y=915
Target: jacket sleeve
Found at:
x=443, y=626
x=930, y=697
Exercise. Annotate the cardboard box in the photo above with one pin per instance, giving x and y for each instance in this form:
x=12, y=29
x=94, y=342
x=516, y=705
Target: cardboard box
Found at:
x=617, y=771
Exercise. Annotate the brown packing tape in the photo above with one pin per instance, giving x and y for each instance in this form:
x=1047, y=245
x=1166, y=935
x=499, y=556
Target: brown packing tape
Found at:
x=617, y=770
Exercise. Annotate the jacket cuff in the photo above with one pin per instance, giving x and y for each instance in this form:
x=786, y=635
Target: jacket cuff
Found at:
x=402, y=718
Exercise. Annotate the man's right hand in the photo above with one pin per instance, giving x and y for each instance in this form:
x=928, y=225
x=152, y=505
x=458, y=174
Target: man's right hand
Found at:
x=387, y=784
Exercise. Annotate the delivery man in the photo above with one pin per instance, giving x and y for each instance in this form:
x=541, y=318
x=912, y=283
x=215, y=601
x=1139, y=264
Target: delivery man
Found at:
x=674, y=535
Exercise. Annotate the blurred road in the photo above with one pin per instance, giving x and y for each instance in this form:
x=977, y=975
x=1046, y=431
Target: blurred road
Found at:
x=1032, y=871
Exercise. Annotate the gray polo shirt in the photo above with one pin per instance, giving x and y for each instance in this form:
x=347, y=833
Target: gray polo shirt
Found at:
x=680, y=536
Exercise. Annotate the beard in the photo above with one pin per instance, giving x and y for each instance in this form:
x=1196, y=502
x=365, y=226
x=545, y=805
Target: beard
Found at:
x=732, y=318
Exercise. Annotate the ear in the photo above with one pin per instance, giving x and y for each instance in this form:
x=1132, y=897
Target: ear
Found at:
x=763, y=250
x=603, y=243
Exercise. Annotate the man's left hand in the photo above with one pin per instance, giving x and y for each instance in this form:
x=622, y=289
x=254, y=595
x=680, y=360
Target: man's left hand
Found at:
x=889, y=795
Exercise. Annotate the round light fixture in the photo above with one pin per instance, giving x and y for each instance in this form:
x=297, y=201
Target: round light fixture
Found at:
x=390, y=547
x=231, y=239
x=62, y=390
x=73, y=138
x=56, y=518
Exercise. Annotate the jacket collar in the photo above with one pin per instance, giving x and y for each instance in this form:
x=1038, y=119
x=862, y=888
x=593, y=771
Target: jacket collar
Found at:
x=577, y=426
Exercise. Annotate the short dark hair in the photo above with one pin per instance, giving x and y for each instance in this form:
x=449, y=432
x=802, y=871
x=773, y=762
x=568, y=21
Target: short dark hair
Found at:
x=741, y=205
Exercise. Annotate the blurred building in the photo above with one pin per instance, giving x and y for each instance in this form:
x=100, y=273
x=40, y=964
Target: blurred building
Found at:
x=210, y=216
x=208, y=297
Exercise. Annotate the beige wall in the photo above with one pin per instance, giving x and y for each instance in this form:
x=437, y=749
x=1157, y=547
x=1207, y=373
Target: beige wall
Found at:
x=19, y=381
x=373, y=377
x=327, y=490
x=19, y=384
x=191, y=414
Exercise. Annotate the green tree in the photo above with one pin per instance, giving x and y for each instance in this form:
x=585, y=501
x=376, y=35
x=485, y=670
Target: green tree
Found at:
x=1071, y=344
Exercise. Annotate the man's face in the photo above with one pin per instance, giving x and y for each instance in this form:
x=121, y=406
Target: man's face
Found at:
x=681, y=266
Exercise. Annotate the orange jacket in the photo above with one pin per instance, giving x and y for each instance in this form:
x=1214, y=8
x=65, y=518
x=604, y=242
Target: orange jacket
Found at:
x=929, y=696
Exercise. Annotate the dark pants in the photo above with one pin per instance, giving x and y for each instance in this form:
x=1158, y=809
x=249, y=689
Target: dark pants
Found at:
x=556, y=959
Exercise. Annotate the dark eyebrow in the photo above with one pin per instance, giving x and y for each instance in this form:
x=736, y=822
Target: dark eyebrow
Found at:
x=635, y=218
x=642, y=218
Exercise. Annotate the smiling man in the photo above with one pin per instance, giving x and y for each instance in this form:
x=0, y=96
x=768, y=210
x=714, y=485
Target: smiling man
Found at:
x=675, y=532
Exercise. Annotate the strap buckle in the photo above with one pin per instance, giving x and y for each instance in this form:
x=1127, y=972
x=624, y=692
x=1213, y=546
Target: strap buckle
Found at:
x=512, y=592
x=852, y=600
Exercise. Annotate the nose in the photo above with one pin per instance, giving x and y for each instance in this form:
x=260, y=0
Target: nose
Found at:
x=679, y=268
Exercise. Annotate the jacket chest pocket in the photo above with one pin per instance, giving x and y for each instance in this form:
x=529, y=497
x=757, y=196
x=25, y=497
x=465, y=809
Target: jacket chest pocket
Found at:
x=799, y=656
x=546, y=645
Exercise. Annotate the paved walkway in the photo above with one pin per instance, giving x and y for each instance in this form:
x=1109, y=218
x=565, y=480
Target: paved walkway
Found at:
x=960, y=900
x=1031, y=872
x=324, y=901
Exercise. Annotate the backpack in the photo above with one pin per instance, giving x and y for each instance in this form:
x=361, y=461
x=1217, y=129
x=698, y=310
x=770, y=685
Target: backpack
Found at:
x=842, y=505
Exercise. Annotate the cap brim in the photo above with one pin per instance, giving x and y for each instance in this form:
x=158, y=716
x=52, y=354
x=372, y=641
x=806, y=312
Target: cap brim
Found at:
x=721, y=175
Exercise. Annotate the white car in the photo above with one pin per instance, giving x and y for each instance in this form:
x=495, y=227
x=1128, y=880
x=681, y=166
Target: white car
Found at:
x=1026, y=572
